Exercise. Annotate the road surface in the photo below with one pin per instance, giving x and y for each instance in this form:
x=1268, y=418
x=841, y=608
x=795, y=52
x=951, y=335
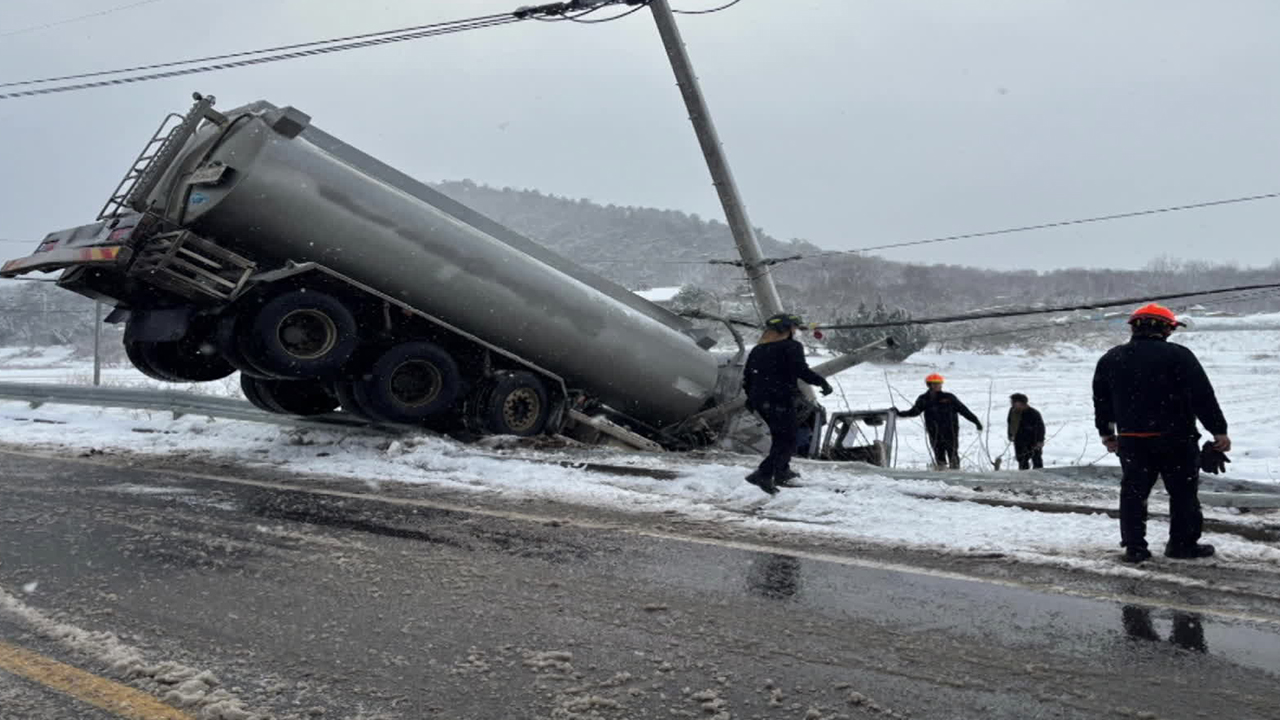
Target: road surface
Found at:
x=242, y=596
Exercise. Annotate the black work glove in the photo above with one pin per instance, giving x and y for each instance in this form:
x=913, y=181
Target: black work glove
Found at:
x=826, y=389
x=1212, y=460
x=979, y=426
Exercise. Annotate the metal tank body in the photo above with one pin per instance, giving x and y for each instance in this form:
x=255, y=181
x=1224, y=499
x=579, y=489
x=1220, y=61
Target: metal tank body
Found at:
x=307, y=197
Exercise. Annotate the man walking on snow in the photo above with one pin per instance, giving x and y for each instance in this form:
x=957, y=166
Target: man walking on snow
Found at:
x=942, y=412
x=774, y=367
x=1147, y=396
x=1026, y=432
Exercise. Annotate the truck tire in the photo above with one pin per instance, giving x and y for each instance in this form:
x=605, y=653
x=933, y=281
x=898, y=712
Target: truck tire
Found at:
x=179, y=361
x=301, y=334
x=251, y=388
x=409, y=383
x=133, y=351
x=347, y=400
x=226, y=337
x=288, y=397
x=516, y=404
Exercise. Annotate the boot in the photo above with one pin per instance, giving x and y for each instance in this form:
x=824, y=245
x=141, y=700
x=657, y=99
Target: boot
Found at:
x=786, y=480
x=762, y=481
x=1136, y=555
x=1194, y=551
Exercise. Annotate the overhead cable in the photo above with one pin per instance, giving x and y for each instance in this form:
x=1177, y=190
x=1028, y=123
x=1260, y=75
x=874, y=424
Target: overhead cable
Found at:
x=261, y=51
x=1019, y=229
x=1094, y=305
x=261, y=60
x=246, y=58
x=78, y=18
x=708, y=11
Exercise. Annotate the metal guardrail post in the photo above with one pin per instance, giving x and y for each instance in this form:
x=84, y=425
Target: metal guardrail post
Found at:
x=97, y=343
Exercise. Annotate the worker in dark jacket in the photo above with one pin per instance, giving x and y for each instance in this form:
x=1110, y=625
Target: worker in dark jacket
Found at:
x=1026, y=432
x=1147, y=396
x=773, y=368
x=942, y=412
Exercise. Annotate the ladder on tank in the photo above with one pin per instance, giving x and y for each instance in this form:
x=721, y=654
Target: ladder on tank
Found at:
x=145, y=172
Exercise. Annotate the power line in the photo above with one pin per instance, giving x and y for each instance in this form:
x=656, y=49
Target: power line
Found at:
x=1095, y=305
x=708, y=11
x=247, y=53
x=964, y=236
x=1065, y=223
x=437, y=31
x=1243, y=297
x=78, y=18
x=1019, y=229
x=619, y=16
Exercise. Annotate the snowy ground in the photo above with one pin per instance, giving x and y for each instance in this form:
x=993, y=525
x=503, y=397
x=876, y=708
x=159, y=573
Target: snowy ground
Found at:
x=1241, y=355
x=898, y=508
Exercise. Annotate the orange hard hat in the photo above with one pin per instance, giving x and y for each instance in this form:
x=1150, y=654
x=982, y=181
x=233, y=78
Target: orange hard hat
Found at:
x=1156, y=312
x=934, y=378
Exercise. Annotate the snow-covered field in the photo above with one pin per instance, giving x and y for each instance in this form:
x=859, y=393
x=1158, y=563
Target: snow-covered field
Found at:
x=836, y=501
x=1241, y=355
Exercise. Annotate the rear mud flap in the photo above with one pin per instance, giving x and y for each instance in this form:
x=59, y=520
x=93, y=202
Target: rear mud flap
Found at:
x=158, y=325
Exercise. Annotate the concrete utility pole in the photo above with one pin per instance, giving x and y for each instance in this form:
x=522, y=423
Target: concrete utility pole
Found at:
x=762, y=287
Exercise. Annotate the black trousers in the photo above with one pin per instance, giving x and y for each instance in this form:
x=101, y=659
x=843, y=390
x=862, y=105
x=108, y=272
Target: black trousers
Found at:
x=1028, y=456
x=946, y=450
x=781, y=419
x=1177, y=462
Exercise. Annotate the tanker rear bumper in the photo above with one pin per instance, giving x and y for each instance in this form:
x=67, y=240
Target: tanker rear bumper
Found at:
x=98, y=255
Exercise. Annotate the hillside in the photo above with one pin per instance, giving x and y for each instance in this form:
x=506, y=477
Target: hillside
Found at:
x=646, y=247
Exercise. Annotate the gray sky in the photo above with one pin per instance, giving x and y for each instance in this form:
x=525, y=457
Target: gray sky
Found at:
x=847, y=122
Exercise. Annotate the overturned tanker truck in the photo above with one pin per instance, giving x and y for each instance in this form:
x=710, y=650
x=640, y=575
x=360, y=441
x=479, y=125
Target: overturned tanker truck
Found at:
x=252, y=241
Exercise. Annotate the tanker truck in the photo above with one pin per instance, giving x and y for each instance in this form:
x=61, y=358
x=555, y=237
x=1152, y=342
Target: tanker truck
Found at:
x=252, y=241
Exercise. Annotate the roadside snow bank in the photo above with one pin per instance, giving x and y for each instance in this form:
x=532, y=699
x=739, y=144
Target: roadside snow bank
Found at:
x=836, y=501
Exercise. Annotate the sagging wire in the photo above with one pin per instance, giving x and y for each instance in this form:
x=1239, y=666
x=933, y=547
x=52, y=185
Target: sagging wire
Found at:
x=708, y=11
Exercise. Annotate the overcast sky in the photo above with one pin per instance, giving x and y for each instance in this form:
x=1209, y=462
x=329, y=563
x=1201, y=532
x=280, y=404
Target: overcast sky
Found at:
x=847, y=122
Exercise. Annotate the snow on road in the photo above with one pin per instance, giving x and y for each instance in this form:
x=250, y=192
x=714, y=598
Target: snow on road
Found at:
x=836, y=502
x=896, y=508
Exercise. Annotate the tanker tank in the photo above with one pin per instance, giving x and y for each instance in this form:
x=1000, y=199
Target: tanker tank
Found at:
x=294, y=193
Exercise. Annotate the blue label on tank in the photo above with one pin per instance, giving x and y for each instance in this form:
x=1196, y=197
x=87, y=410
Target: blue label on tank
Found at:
x=198, y=199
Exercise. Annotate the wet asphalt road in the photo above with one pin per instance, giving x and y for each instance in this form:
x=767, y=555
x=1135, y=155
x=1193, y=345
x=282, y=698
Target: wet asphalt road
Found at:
x=307, y=605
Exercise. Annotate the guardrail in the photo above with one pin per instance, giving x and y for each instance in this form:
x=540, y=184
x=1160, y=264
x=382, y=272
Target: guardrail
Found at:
x=177, y=402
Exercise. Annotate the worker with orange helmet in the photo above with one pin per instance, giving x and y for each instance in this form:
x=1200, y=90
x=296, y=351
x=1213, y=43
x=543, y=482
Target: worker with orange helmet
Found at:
x=1147, y=395
x=942, y=412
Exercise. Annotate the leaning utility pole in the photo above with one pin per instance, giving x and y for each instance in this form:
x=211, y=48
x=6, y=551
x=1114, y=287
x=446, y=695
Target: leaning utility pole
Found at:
x=762, y=287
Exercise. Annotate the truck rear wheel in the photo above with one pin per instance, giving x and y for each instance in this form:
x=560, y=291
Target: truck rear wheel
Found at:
x=227, y=338
x=410, y=383
x=516, y=403
x=301, y=334
x=347, y=400
x=251, y=388
x=288, y=397
x=185, y=360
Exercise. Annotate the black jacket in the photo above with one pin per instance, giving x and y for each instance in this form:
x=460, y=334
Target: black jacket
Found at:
x=941, y=414
x=1026, y=427
x=1151, y=387
x=772, y=371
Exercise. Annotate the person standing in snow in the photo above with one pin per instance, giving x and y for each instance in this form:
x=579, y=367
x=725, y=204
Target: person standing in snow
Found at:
x=773, y=368
x=942, y=412
x=1026, y=432
x=1147, y=395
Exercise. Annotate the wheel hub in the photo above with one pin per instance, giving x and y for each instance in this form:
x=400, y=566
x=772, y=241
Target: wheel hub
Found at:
x=307, y=334
x=416, y=383
x=520, y=409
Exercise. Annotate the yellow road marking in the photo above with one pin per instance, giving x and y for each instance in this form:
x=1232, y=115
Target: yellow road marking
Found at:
x=120, y=700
